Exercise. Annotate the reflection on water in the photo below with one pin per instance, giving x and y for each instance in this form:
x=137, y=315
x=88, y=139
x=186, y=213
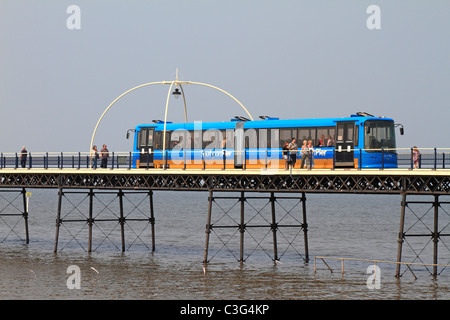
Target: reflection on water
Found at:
x=339, y=226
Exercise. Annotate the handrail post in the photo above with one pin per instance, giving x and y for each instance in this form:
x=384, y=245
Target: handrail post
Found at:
x=334, y=159
x=360, y=159
x=129, y=162
x=224, y=159
x=435, y=158
x=412, y=160
x=112, y=161
x=267, y=151
x=203, y=159
x=310, y=159
x=165, y=160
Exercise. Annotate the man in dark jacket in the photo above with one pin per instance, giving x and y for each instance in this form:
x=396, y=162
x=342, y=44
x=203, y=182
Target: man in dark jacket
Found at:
x=23, y=157
x=104, y=155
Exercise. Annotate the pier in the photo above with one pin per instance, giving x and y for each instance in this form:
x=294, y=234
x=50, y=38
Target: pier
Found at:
x=270, y=186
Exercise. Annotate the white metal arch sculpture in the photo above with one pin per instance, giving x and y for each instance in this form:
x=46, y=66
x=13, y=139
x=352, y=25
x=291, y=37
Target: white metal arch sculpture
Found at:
x=175, y=82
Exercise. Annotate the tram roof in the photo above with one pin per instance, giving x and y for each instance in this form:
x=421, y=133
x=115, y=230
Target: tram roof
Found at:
x=266, y=123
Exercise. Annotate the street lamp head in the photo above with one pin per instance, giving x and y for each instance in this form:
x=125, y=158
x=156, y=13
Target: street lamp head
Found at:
x=176, y=93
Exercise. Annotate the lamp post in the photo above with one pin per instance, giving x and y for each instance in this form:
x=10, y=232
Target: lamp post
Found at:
x=177, y=83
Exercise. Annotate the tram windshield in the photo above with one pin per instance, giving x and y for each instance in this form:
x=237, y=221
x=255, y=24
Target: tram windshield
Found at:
x=379, y=134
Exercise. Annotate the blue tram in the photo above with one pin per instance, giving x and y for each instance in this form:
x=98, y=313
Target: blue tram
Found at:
x=358, y=141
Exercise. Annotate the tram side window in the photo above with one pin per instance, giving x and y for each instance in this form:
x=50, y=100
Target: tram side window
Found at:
x=321, y=136
x=181, y=139
x=251, y=138
x=263, y=140
x=327, y=135
x=303, y=135
x=274, y=139
x=285, y=135
x=228, y=139
x=212, y=139
x=330, y=141
x=307, y=134
x=197, y=139
x=159, y=138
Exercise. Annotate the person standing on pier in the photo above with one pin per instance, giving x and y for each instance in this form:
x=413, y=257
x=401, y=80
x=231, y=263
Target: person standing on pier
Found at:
x=23, y=157
x=105, y=155
x=309, y=158
x=286, y=157
x=416, y=157
x=305, y=154
x=94, y=157
x=293, y=152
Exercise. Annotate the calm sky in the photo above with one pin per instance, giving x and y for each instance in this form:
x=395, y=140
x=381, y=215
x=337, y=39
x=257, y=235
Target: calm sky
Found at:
x=60, y=69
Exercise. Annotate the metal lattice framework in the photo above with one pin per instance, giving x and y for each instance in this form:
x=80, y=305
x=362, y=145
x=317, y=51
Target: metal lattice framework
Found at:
x=330, y=181
x=404, y=182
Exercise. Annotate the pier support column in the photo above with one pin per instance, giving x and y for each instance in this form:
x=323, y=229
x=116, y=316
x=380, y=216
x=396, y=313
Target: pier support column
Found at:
x=90, y=219
x=58, y=219
x=152, y=219
x=274, y=227
x=242, y=227
x=401, y=234
x=25, y=214
x=305, y=227
x=435, y=235
x=208, y=226
x=121, y=220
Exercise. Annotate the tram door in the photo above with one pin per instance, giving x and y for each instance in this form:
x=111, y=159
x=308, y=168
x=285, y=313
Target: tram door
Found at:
x=345, y=144
x=146, y=136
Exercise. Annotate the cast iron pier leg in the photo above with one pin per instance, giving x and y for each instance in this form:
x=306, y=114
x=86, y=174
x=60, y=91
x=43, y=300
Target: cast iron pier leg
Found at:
x=435, y=234
x=90, y=220
x=25, y=214
x=152, y=219
x=305, y=227
x=121, y=220
x=401, y=234
x=208, y=226
x=242, y=227
x=58, y=218
x=274, y=227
